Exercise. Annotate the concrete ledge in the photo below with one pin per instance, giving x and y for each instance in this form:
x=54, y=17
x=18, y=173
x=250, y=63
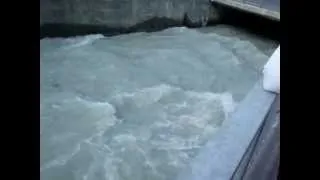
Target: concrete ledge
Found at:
x=221, y=156
x=262, y=158
x=250, y=8
x=264, y=162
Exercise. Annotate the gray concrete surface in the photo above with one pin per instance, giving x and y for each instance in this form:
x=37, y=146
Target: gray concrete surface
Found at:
x=262, y=158
x=264, y=162
x=123, y=13
x=267, y=8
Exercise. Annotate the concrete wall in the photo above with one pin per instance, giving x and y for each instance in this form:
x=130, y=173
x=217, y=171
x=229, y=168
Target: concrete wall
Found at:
x=124, y=13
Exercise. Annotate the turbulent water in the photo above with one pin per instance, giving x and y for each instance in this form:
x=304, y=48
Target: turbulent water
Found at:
x=137, y=106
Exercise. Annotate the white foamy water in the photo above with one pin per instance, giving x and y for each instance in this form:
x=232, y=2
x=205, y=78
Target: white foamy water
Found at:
x=137, y=106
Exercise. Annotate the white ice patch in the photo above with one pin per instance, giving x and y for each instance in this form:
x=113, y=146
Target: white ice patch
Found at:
x=271, y=73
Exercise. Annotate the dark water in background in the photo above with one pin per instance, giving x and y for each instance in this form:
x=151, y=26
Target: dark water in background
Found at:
x=140, y=106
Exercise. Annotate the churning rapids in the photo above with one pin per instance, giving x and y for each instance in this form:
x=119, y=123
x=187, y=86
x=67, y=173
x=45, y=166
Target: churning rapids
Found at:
x=137, y=106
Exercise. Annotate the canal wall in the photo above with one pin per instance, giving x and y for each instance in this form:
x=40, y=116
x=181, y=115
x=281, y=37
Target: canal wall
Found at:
x=125, y=15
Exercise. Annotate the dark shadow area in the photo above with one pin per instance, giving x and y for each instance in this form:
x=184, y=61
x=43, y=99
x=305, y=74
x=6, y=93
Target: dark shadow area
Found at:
x=155, y=24
x=250, y=22
x=67, y=30
x=151, y=25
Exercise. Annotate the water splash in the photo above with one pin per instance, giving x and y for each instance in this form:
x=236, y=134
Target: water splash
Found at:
x=137, y=106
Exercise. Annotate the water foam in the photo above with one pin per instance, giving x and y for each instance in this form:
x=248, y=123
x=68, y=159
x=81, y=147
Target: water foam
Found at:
x=169, y=141
x=73, y=128
x=57, y=44
x=137, y=106
x=187, y=127
x=82, y=40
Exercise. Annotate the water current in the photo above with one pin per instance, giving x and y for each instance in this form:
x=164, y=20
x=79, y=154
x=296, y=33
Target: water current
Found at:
x=139, y=106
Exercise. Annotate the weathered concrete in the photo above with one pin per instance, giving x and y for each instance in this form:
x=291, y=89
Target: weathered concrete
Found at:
x=262, y=158
x=268, y=8
x=125, y=13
